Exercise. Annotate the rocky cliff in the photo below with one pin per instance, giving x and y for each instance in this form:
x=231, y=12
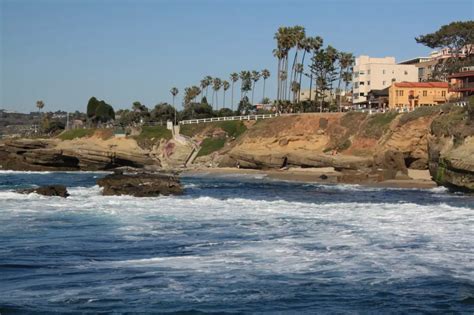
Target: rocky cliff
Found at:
x=451, y=149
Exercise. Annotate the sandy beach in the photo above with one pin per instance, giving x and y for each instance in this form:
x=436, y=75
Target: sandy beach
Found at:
x=419, y=178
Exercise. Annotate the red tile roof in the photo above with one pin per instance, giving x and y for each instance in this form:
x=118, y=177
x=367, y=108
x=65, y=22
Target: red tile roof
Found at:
x=422, y=84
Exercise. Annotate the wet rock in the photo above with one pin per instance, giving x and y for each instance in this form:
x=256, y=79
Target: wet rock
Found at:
x=50, y=190
x=140, y=185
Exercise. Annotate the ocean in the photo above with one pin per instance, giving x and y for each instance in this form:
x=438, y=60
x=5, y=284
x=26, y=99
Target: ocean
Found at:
x=234, y=244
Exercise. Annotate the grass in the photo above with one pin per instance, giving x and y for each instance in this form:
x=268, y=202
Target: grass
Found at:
x=155, y=132
x=423, y=111
x=210, y=145
x=150, y=134
x=377, y=124
x=76, y=133
x=232, y=128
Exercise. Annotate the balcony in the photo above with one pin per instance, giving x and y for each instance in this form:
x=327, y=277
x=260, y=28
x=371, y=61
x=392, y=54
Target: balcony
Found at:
x=461, y=87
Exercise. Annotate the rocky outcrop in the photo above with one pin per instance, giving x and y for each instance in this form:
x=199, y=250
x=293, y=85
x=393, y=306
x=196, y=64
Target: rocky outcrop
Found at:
x=451, y=150
x=34, y=155
x=51, y=190
x=140, y=185
x=452, y=165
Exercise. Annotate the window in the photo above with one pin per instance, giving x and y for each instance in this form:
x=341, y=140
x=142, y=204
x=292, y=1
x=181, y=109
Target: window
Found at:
x=406, y=72
x=383, y=83
x=361, y=72
x=361, y=83
x=393, y=79
x=399, y=92
x=356, y=74
x=368, y=82
x=361, y=94
x=383, y=71
x=368, y=71
x=443, y=93
x=425, y=93
x=356, y=85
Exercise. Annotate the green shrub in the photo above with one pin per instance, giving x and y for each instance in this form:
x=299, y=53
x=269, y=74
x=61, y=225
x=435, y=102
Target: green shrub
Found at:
x=210, y=145
x=155, y=132
x=423, y=111
x=76, y=133
x=233, y=128
x=377, y=124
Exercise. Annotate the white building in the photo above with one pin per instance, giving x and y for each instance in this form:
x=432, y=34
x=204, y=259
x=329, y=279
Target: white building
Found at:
x=378, y=74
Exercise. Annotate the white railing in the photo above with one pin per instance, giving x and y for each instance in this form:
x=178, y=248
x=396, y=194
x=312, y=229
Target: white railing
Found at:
x=214, y=119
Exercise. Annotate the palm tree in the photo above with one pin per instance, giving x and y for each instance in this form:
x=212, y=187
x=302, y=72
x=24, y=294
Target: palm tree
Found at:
x=208, y=83
x=298, y=71
x=255, y=77
x=203, y=84
x=216, y=86
x=234, y=77
x=298, y=36
x=225, y=86
x=265, y=76
x=310, y=44
x=245, y=83
x=346, y=60
x=174, y=91
x=295, y=88
x=40, y=105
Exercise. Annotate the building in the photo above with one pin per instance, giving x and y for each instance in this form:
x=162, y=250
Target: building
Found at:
x=378, y=74
x=409, y=95
x=305, y=94
x=462, y=82
x=425, y=66
x=378, y=99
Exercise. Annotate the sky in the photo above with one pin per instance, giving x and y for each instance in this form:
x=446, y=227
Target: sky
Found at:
x=65, y=51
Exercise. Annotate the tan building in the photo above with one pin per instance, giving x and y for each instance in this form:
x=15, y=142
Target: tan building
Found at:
x=409, y=95
x=378, y=74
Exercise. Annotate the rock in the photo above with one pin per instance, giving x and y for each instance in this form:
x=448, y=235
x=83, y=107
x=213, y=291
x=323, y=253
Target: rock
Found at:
x=140, y=185
x=391, y=160
x=51, y=190
x=323, y=177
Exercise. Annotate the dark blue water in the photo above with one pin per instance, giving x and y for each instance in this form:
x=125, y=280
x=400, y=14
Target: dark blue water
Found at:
x=236, y=245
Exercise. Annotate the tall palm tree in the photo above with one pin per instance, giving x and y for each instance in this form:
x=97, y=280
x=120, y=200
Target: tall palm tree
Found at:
x=255, y=77
x=40, y=105
x=203, y=84
x=298, y=36
x=346, y=60
x=174, y=91
x=225, y=87
x=309, y=45
x=298, y=71
x=234, y=77
x=208, y=83
x=265, y=76
x=216, y=86
x=245, y=83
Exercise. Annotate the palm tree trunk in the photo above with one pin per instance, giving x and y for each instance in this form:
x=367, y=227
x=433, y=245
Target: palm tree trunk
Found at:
x=232, y=98
x=278, y=79
x=301, y=74
x=310, y=87
x=217, y=101
x=293, y=73
x=223, y=106
x=263, y=97
x=253, y=90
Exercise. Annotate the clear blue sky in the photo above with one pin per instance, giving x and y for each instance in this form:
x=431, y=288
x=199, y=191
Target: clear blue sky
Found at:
x=65, y=51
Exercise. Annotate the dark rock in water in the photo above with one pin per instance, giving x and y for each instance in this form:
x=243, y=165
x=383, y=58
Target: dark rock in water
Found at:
x=140, y=185
x=51, y=190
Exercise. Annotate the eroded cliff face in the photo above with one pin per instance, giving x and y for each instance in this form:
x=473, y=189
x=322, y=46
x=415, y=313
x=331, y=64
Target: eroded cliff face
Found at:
x=451, y=150
x=352, y=141
x=89, y=154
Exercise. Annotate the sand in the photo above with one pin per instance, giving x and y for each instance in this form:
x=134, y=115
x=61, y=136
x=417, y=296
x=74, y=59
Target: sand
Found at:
x=420, y=178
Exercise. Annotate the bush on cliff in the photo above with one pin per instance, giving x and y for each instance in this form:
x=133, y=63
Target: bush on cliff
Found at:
x=377, y=124
x=152, y=134
x=231, y=128
x=210, y=145
x=76, y=133
x=419, y=112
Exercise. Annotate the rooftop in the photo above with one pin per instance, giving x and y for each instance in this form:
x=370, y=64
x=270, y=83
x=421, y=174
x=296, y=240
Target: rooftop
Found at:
x=422, y=84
